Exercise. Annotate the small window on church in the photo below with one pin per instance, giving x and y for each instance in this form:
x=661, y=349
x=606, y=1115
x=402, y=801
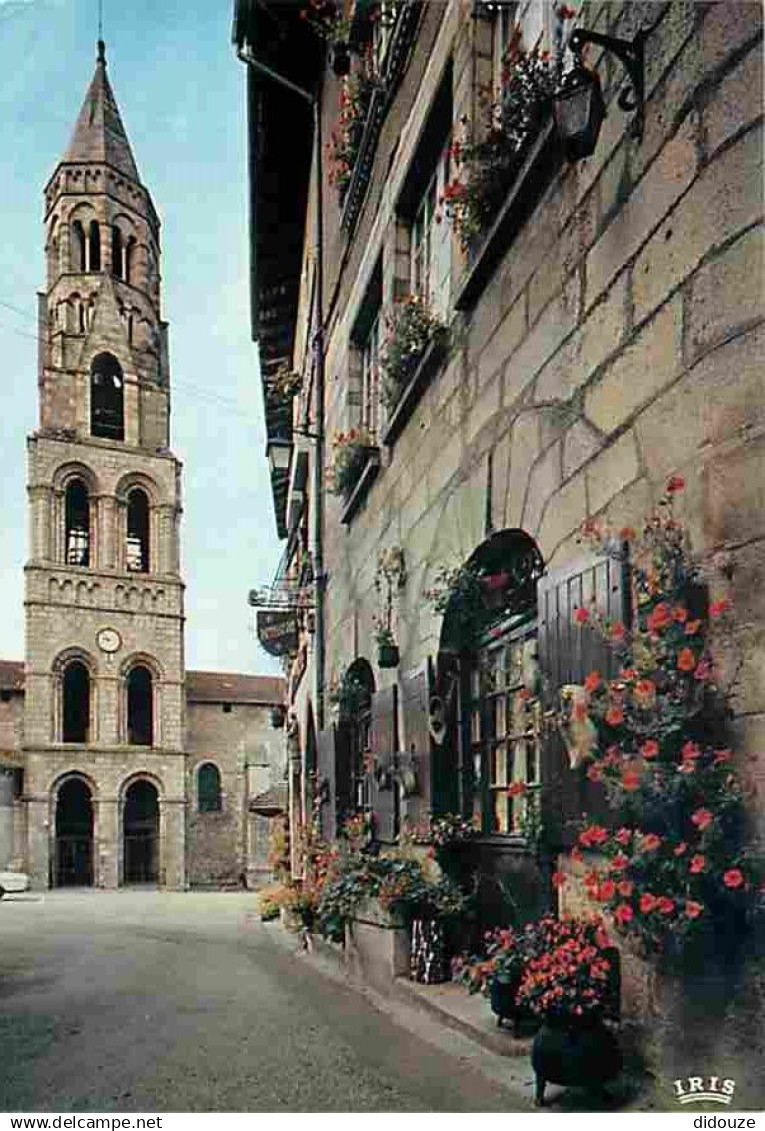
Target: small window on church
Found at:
x=117, y=253
x=107, y=398
x=94, y=244
x=77, y=523
x=140, y=707
x=79, y=260
x=129, y=258
x=137, y=550
x=76, y=703
x=208, y=789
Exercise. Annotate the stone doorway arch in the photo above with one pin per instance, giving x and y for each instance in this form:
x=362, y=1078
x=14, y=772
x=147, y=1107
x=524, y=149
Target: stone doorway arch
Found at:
x=140, y=833
x=73, y=846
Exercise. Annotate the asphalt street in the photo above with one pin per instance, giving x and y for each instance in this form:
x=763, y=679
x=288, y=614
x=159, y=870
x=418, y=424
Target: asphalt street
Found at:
x=151, y=1001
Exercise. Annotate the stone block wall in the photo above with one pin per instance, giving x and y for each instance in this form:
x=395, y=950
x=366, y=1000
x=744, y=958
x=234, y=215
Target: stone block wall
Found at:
x=617, y=341
x=247, y=752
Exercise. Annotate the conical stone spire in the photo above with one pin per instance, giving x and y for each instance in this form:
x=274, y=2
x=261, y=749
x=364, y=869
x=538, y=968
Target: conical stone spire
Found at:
x=99, y=135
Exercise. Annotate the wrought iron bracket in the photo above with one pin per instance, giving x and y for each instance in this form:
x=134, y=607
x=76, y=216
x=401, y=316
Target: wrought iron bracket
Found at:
x=630, y=54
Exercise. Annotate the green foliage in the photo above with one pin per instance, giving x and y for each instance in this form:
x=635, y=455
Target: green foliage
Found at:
x=409, y=330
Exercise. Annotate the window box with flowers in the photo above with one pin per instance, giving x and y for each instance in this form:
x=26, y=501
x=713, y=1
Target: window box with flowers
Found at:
x=507, y=161
x=356, y=96
x=415, y=345
x=354, y=468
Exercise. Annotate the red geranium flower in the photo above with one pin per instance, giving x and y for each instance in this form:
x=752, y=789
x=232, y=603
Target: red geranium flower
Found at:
x=645, y=690
x=733, y=878
x=659, y=618
x=680, y=614
x=618, y=631
x=686, y=661
x=693, y=909
x=517, y=789
x=606, y=891
x=592, y=682
x=651, y=842
x=625, y=888
x=717, y=608
x=624, y=913
x=702, y=819
x=648, y=902
x=674, y=484
x=665, y=905
x=628, y=673
x=581, y=616
x=698, y=863
x=649, y=749
x=614, y=716
x=593, y=834
x=558, y=879
x=692, y=627
x=681, y=848
x=623, y=836
x=619, y=862
x=631, y=780
x=690, y=751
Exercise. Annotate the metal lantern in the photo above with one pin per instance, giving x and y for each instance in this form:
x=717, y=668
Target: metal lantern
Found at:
x=579, y=111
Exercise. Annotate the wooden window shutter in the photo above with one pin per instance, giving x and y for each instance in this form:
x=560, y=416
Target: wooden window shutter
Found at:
x=325, y=745
x=334, y=768
x=383, y=741
x=415, y=691
x=567, y=653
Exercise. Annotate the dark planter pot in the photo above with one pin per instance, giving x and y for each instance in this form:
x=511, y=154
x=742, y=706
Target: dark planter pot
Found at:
x=387, y=655
x=278, y=716
x=341, y=59
x=503, y=1005
x=582, y=1055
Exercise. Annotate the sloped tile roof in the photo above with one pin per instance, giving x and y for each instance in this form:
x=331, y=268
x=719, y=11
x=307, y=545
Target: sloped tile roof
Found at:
x=99, y=135
x=233, y=687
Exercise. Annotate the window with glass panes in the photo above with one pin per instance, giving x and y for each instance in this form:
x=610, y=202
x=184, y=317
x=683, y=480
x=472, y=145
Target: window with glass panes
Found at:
x=430, y=261
x=360, y=739
x=370, y=384
x=505, y=729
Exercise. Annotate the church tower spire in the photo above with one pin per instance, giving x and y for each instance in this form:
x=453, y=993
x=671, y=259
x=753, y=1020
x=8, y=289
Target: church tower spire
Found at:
x=104, y=714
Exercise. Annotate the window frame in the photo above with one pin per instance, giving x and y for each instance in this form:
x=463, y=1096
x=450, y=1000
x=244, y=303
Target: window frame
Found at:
x=489, y=728
x=218, y=798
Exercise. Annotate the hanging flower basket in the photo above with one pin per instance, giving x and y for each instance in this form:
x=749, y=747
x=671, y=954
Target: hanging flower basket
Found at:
x=387, y=656
x=278, y=715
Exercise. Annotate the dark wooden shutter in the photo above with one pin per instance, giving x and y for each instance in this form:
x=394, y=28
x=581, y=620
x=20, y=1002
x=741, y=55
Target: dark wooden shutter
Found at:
x=335, y=770
x=383, y=741
x=326, y=775
x=415, y=692
x=567, y=653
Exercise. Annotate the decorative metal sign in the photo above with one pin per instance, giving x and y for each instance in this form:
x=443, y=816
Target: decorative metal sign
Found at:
x=277, y=632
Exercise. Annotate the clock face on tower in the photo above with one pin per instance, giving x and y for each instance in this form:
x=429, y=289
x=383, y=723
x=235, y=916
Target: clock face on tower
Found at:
x=108, y=640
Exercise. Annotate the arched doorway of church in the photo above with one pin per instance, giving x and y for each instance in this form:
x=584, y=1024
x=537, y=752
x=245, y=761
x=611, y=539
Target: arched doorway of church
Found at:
x=141, y=833
x=73, y=865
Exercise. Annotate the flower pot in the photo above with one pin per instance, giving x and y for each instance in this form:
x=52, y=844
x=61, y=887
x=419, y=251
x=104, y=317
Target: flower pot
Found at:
x=502, y=999
x=387, y=655
x=580, y=1053
x=341, y=59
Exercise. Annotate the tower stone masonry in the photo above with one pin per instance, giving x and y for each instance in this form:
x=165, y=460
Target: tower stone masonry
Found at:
x=130, y=774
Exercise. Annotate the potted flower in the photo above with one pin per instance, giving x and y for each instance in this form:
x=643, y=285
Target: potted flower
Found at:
x=489, y=160
x=350, y=454
x=387, y=648
x=390, y=577
x=498, y=974
x=410, y=329
x=570, y=985
x=676, y=869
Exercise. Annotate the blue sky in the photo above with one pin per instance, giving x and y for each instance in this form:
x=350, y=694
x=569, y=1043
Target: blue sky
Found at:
x=180, y=91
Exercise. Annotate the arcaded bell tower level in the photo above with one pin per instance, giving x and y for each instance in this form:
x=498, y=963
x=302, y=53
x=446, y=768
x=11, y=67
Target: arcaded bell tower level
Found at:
x=104, y=707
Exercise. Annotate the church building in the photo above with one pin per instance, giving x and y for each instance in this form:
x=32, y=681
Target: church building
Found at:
x=118, y=766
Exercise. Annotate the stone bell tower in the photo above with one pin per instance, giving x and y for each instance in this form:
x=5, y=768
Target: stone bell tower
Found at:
x=104, y=705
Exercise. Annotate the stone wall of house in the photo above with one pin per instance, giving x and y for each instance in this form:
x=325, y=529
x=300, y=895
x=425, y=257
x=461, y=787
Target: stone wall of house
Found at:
x=236, y=738
x=617, y=342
